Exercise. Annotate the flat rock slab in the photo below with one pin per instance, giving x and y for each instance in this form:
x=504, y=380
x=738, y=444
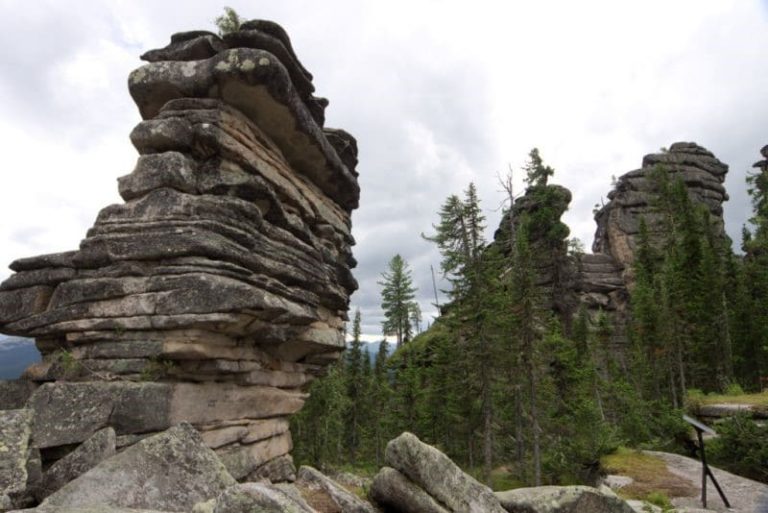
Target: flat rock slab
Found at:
x=89, y=454
x=15, y=430
x=15, y=393
x=561, y=499
x=394, y=491
x=259, y=497
x=171, y=471
x=744, y=494
x=440, y=477
x=346, y=502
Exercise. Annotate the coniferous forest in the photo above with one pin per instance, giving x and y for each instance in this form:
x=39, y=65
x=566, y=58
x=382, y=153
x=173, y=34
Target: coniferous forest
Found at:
x=522, y=388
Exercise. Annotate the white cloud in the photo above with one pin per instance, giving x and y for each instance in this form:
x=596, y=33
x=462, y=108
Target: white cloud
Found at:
x=439, y=93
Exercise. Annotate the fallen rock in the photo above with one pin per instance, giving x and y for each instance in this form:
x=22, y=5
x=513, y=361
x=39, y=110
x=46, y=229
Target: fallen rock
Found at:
x=15, y=393
x=312, y=479
x=171, y=471
x=15, y=430
x=259, y=497
x=277, y=470
x=89, y=454
x=561, y=499
x=394, y=491
x=440, y=477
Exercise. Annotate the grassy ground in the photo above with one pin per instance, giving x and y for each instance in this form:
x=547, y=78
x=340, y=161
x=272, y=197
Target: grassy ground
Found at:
x=650, y=474
x=760, y=400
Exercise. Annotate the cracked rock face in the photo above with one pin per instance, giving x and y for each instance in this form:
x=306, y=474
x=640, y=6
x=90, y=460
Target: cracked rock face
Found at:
x=636, y=194
x=223, y=281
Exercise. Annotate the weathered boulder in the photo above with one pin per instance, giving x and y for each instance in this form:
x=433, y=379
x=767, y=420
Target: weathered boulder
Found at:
x=15, y=431
x=394, y=491
x=312, y=479
x=561, y=499
x=250, y=497
x=14, y=394
x=276, y=470
x=90, y=453
x=171, y=471
x=435, y=473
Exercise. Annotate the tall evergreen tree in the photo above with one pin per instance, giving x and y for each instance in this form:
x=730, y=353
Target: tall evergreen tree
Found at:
x=355, y=374
x=397, y=296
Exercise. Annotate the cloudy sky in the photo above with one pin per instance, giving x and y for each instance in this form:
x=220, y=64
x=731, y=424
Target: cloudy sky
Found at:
x=438, y=93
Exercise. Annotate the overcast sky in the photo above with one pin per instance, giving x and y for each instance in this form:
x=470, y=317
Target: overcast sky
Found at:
x=437, y=93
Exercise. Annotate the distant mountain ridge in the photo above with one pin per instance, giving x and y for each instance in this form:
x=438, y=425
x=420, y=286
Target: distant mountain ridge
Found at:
x=16, y=354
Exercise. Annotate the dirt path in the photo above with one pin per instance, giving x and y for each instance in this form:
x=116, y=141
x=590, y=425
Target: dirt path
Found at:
x=745, y=495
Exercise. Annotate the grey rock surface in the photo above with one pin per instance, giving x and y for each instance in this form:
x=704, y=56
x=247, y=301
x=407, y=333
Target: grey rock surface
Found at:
x=220, y=288
x=562, y=499
x=171, y=471
x=100, y=446
x=15, y=431
x=261, y=497
x=441, y=478
x=311, y=478
x=393, y=491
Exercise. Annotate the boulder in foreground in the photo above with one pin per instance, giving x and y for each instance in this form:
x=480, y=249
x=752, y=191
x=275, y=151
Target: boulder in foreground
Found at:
x=171, y=471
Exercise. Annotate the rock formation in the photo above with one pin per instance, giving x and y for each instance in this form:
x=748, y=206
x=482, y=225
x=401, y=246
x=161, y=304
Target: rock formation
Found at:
x=604, y=278
x=600, y=281
x=220, y=287
x=636, y=196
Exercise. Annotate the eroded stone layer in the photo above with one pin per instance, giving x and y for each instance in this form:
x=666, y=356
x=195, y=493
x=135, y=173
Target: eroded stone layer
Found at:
x=220, y=288
x=636, y=197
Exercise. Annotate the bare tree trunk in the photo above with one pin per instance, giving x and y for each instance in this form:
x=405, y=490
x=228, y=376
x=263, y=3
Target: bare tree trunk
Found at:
x=536, y=429
x=487, y=407
x=519, y=424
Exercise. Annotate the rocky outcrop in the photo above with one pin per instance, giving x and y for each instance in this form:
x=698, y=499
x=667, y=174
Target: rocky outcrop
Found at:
x=540, y=209
x=171, y=471
x=636, y=196
x=562, y=499
x=429, y=479
x=220, y=288
x=313, y=481
x=15, y=430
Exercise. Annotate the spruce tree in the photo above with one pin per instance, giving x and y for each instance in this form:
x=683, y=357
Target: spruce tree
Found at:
x=354, y=374
x=397, y=296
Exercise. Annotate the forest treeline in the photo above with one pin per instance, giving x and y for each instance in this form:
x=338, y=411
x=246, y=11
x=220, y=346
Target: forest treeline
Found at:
x=500, y=380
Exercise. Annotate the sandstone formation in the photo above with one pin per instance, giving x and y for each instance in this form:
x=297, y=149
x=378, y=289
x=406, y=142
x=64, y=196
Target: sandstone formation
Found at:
x=220, y=288
x=562, y=499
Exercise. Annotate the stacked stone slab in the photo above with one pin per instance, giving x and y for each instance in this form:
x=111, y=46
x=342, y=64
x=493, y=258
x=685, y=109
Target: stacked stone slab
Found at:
x=220, y=287
x=603, y=279
x=636, y=197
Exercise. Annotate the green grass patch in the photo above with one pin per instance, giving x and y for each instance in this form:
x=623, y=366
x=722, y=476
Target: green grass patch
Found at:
x=759, y=400
x=652, y=478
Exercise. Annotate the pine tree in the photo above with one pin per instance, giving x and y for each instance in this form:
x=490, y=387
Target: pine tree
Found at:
x=354, y=374
x=397, y=296
x=228, y=22
x=753, y=348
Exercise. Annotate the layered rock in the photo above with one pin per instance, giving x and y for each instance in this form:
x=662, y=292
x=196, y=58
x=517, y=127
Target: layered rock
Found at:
x=220, y=288
x=600, y=282
x=637, y=194
x=540, y=208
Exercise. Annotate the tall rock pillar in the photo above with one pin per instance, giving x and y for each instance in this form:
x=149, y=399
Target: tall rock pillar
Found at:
x=221, y=286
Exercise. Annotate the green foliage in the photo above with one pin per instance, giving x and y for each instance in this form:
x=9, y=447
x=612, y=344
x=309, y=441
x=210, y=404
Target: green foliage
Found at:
x=741, y=447
x=228, y=22
x=536, y=173
x=397, y=294
x=660, y=499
